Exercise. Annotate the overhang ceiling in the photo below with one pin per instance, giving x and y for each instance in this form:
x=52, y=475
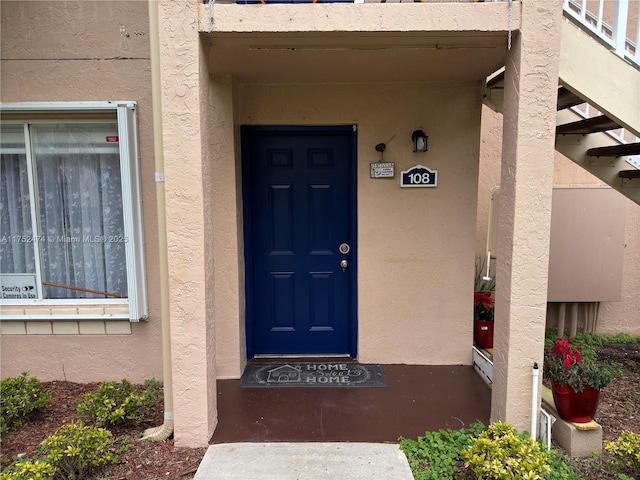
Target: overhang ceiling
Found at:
x=356, y=57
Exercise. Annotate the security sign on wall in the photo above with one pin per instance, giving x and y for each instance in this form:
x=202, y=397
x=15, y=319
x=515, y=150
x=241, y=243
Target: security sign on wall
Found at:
x=382, y=170
x=18, y=286
x=419, y=176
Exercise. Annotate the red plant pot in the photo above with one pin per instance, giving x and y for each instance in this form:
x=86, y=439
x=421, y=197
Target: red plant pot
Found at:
x=483, y=333
x=577, y=407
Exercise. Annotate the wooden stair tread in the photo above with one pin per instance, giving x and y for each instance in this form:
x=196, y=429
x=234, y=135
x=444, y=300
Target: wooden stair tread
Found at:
x=615, y=150
x=629, y=174
x=588, y=125
x=567, y=99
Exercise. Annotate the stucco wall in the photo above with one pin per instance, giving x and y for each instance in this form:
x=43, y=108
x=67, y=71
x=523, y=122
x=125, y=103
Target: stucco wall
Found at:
x=85, y=51
x=614, y=317
x=414, y=288
x=226, y=222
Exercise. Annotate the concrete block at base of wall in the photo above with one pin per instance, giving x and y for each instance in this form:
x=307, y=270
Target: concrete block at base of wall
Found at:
x=12, y=328
x=122, y=327
x=92, y=327
x=39, y=328
x=577, y=443
x=65, y=328
x=577, y=439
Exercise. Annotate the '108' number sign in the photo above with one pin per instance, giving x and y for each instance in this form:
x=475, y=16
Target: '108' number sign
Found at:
x=419, y=176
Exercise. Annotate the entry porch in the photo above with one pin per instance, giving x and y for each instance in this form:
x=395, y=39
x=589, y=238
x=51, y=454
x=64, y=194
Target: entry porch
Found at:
x=417, y=398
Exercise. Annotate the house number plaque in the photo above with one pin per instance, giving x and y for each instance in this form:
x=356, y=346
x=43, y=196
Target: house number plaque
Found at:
x=419, y=176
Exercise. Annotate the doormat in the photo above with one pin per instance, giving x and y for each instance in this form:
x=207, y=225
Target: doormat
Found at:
x=313, y=374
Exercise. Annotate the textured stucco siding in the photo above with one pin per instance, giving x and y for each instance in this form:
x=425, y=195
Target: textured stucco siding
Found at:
x=526, y=178
x=84, y=51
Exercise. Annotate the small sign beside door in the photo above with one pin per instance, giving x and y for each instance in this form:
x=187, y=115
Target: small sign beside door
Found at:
x=419, y=176
x=382, y=170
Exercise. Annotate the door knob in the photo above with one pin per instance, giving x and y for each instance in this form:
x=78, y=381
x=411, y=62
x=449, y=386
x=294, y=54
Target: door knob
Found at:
x=344, y=264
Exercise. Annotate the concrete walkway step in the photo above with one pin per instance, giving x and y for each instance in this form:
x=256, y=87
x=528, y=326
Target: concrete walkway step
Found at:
x=304, y=461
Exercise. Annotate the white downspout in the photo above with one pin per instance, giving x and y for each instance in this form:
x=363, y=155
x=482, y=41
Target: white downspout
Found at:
x=487, y=277
x=534, y=402
x=165, y=430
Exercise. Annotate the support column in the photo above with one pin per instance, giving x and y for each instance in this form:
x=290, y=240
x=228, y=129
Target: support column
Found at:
x=531, y=82
x=184, y=79
x=225, y=213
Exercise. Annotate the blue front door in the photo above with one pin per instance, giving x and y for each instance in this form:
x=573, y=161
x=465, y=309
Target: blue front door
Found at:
x=299, y=234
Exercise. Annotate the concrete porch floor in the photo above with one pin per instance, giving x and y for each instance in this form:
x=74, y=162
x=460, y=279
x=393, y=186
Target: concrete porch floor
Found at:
x=416, y=399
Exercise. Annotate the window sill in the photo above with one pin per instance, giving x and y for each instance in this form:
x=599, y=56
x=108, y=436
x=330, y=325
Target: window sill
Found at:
x=66, y=327
x=63, y=302
x=68, y=311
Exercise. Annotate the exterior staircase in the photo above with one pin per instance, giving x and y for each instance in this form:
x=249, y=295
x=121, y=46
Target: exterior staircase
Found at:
x=598, y=119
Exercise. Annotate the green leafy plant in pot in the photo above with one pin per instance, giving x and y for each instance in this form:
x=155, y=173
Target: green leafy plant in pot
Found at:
x=577, y=377
x=483, y=308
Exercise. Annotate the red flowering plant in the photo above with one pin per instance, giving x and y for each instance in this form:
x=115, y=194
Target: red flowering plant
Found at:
x=483, y=306
x=483, y=299
x=567, y=364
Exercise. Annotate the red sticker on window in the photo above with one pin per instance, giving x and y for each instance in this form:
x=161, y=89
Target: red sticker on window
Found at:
x=113, y=138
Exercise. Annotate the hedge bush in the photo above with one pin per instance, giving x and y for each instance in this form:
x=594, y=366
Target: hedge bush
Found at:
x=118, y=403
x=625, y=450
x=19, y=396
x=500, y=453
x=29, y=470
x=75, y=449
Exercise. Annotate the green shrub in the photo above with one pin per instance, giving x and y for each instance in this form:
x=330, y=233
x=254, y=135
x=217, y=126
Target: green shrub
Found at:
x=118, y=403
x=19, y=396
x=435, y=456
x=625, y=450
x=500, y=453
x=75, y=450
x=590, y=340
x=29, y=470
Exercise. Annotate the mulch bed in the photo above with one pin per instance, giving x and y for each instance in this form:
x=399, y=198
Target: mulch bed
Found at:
x=145, y=461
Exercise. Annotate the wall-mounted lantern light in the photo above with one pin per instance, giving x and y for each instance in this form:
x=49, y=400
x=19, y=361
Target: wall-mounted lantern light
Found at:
x=420, y=140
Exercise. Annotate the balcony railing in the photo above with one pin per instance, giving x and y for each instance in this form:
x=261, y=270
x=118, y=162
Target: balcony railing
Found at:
x=613, y=23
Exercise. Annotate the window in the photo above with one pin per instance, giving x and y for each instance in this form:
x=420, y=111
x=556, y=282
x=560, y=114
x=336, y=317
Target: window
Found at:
x=70, y=216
